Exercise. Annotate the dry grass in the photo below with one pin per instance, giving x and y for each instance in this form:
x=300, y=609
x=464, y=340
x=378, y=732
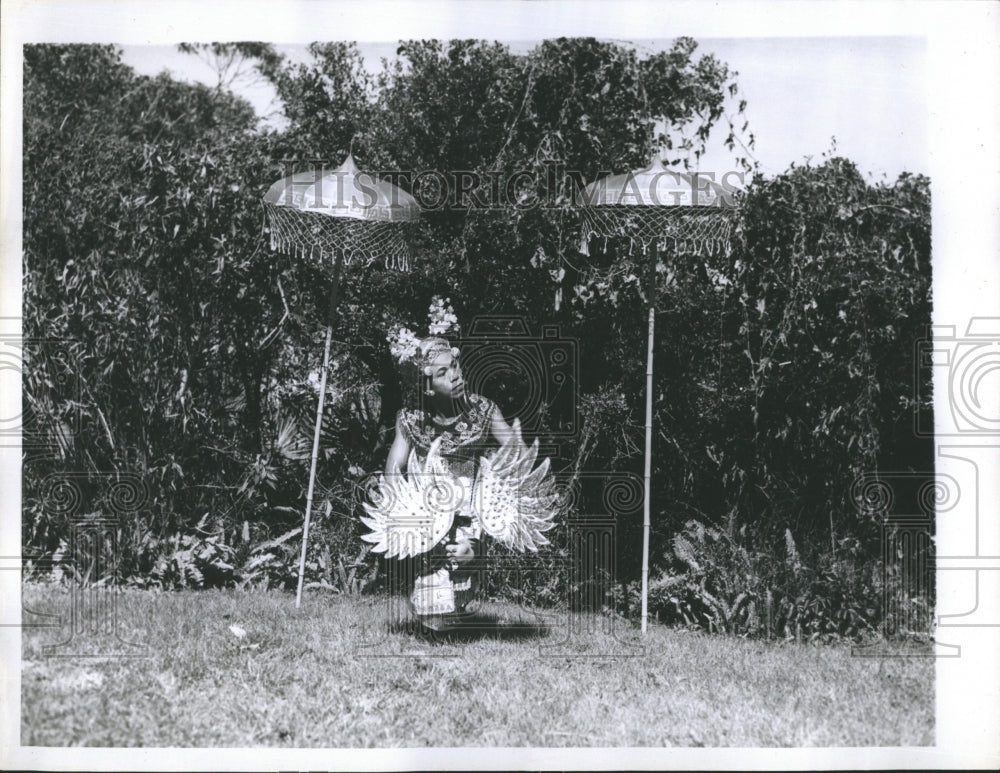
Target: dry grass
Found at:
x=331, y=675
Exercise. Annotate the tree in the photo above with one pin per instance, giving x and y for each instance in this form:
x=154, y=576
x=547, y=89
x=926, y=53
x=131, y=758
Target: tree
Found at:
x=141, y=238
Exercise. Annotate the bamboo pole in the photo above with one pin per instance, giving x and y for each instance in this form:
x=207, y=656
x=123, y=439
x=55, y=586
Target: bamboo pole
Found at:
x=331, y=320
x=649, y=433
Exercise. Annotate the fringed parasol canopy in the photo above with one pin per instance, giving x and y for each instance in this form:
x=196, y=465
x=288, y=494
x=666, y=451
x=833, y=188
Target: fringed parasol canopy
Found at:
x=683, y=213
x=316, y=214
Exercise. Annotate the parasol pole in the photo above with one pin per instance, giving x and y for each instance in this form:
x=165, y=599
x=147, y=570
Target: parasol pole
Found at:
x=605, y=212
x=331, y=319
x=649, y=432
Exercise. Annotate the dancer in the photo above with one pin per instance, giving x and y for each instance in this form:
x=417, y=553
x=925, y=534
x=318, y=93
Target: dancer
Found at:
x=455, y=471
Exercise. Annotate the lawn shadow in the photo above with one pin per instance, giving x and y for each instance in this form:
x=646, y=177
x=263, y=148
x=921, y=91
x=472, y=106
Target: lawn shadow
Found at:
x=487, y=626
x=473, y=627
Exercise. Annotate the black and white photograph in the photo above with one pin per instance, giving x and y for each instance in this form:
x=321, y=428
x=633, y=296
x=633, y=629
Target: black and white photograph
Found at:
x=535, y=385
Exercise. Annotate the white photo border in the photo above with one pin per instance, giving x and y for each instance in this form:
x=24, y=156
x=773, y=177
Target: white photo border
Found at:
x=963, y=67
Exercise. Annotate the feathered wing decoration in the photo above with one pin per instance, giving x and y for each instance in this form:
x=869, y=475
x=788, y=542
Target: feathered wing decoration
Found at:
x=514, y=503
x=413, y=511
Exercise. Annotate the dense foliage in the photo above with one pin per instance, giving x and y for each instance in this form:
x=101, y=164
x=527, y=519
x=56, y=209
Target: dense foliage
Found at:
x=163, y=338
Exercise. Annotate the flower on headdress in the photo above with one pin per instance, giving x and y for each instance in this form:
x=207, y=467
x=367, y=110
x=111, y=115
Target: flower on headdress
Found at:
x=403, y=343
x=442, y=317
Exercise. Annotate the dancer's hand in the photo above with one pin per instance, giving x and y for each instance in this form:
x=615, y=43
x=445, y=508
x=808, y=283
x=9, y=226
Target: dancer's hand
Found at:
x=460, y=551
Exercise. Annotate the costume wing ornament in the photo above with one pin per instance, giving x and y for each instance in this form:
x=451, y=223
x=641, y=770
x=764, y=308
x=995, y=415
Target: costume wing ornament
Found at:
x=412, y=511
x=514, y=503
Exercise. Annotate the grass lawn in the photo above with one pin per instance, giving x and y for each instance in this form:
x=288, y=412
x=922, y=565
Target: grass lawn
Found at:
x=331, y=675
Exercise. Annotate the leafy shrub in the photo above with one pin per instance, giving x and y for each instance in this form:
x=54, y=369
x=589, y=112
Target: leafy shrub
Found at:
x=710, y=582
x=722, y=583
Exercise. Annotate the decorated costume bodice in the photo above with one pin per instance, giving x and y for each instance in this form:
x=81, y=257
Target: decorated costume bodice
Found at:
x=464, y=438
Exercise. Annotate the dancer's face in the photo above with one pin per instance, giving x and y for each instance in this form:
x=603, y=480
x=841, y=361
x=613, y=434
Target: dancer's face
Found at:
x=446, y=376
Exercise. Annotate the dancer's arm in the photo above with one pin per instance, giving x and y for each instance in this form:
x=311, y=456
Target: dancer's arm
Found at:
x=400, y=450
x=501, y=430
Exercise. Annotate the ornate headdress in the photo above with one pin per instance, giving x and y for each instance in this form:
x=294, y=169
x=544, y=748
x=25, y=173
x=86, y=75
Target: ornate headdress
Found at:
x=413, y=351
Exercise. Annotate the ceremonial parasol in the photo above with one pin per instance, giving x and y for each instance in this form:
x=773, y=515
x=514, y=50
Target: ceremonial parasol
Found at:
x=684, y=213
x=339, y=216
